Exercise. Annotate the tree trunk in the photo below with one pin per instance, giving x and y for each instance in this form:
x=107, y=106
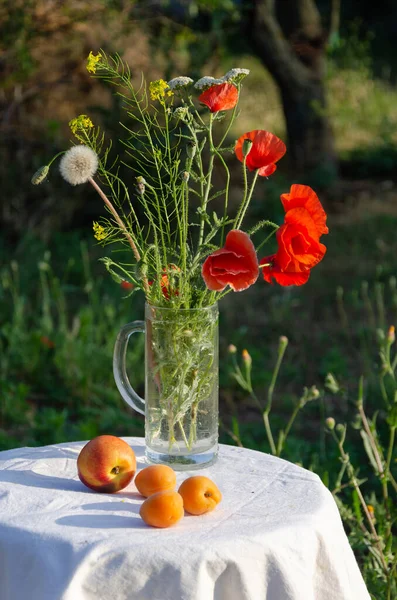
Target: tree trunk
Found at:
x=292, y=47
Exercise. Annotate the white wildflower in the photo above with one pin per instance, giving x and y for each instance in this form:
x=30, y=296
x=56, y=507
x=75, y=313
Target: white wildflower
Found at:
x=78, y=164
x=206, y=82
x=179, y=82
x=235, y=75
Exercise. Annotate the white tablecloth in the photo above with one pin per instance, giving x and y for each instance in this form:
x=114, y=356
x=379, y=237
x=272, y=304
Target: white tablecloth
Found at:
x=276, y=535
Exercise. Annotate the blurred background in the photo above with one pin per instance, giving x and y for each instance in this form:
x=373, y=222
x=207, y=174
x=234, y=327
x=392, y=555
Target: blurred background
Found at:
x=323, y=78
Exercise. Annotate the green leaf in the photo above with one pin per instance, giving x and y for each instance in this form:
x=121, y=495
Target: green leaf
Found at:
x=216, y=195
x=260, y=225
x=369, y=451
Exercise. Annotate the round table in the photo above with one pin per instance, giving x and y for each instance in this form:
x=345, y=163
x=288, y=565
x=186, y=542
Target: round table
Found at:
x=276, y=535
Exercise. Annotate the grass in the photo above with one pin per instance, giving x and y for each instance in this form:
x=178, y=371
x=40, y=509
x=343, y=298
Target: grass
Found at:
x=59, y=322
x=57, y=336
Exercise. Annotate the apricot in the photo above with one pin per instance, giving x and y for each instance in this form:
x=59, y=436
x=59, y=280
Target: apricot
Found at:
x=200, y=495
x=162, y=509
x=156, y=478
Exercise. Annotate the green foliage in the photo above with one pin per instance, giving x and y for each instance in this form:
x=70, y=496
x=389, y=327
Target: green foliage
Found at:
x=56, y=381
x=363, y=485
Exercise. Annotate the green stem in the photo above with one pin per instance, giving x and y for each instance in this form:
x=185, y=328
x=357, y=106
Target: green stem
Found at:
x=232, y=119
x=352, y=477
x=383, y=390
x=208, y=185
x=245, y=203
x=275, y=226
x=269, y=433
x=226, y=196
x=272, y=385
x=390, y=449
x=55, y=157
x=122, y=227
x=187, y=444
x=284, y=434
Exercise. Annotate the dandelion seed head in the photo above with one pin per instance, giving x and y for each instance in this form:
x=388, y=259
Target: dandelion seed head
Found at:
x=179, y=82
x=206, y=82
x=78, y=164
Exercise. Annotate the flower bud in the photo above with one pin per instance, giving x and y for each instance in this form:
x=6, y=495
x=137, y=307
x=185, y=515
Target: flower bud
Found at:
x=391, y=335
x=140, y=185
x=191, y=149
x=283, y=342
x=247, y=145
x=380, y=334
x=232, y=349
x=330, y=423
x=331, y=383
x=340, y=428
x=185, y=176
x=246, y=357
x=40, y=175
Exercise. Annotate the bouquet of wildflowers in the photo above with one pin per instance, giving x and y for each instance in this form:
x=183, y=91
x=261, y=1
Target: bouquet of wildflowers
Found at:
x=184, y=254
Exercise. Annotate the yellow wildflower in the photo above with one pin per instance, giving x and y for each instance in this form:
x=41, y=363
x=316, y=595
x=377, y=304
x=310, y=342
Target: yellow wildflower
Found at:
x=371, y=510
x=80, y=123
x=92, y=61
x=99, y=231
x=159, y=89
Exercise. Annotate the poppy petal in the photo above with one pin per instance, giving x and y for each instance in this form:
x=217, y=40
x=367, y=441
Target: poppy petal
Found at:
x=266, y=150
x=222, y=96
x=236, y=264
x=273, y=271
x=304, y=196
x=267, y=171
x=211, y=282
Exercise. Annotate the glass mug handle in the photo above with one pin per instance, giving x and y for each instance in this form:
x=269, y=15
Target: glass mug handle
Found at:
x=119, y=369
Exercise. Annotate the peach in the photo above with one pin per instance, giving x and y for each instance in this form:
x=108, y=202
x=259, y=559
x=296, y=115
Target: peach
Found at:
x=106, y=464
x=156, y=478
x=162, y=509
x=200, y=495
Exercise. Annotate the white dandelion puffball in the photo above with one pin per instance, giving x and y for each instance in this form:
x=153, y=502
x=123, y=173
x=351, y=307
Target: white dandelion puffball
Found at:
x=78, y=164
x=179, y=82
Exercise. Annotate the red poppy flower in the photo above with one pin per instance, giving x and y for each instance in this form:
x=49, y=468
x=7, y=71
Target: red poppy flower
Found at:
x=273, y=271
x=298, y=252
x=302, y=199
x=126, y=285
x=265, y=151
x=236, y=264
x=222, y=96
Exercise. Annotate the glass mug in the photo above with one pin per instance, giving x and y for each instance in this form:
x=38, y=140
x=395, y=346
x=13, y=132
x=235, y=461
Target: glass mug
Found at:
x=181, y=384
